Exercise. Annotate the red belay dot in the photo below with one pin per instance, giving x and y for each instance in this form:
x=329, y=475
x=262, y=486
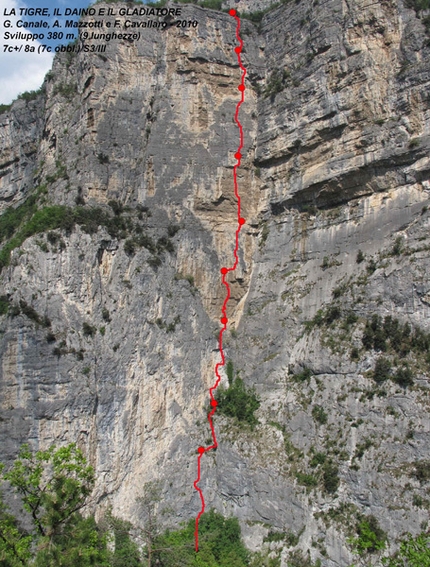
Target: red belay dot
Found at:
x=242, y=220
x=224, y=271
x=224, y=320
x=241, y=88
x=214, y=403
x=238, y=49
x=238, y=155
x=201, y=450
x=232, y=12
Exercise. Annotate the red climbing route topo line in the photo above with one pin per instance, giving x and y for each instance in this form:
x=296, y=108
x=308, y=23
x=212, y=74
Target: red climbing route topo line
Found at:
x=224, y=272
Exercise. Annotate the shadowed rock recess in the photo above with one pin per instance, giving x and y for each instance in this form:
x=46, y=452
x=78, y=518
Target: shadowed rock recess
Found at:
x=116, y=192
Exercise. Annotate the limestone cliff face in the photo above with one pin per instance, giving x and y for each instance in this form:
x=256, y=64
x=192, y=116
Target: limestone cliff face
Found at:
x=335, y=182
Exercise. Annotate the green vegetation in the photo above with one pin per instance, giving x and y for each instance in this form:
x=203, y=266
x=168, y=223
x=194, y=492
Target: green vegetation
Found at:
x=88, y=330
x=370, y=537
x=302, y=376
x=413, y=552
x=422, y=471
x=319, y=414
x=27, y=96
x=54, y=485
x=168, y=327
x=4, y=304
x=298, y=559
x=66, y=90
x=327, y=472
x=382, y=370
x=418, y=5
x=277, y=82
x=106, y=315
x=30, y=218
x=331, y=479
x=237, y=400
x=258, y=15
x=220, y=544
x=391, y=334
x=305, y=479
x=5, y=107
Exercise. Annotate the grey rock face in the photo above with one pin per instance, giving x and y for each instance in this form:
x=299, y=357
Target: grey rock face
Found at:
x=336, y=124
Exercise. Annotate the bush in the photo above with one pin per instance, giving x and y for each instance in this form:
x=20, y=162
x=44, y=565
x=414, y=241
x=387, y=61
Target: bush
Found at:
x=32, y=314
x=116, y=206
x=319, y=414
x=303, y=376
x=106, y=315
x=360, y=257
x=238, y=402
x=4, y=304
x=382, y=370
x=371, y=537
x=404, y=377
x=422, y=471
x=129, y=247
x=331, y=478
x=413, y=552
x=88, y=330
x=318, y=459
x=219, y=544
x=308, y=480
x=154, y=262
x=172, y=229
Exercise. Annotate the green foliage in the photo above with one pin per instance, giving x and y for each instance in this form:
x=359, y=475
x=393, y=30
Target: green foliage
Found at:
x=404, y=377
x=15, y=544
x=398, y=247
x=126, y=551
x=391, y=334
x=4, y=304
x=66, y=90
x=27, y=96
x=319, y=414
x=318, y=459
x=230, y=372
x=88, y=330
x=370, y=537
x=360, y=257
x=106, y=315
x=324, y=318
x=18, y=224
x=80, y=543
x=172, y=229
x=331, y=478
x=116, y=206
x=298, y=559
x=103, y=158
x=30, y=95
x=238, y=402
x=303, y=376
x=382, y=370
x=220, y=544
x=277, y=82
x=5, y=108
x=47, y=218
x=418, y=5
x=422, y=471
x=413, y=552
x=53, y=486
x=305, y=479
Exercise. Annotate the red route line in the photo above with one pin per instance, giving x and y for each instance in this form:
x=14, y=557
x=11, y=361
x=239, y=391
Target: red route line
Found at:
x=224, y=271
